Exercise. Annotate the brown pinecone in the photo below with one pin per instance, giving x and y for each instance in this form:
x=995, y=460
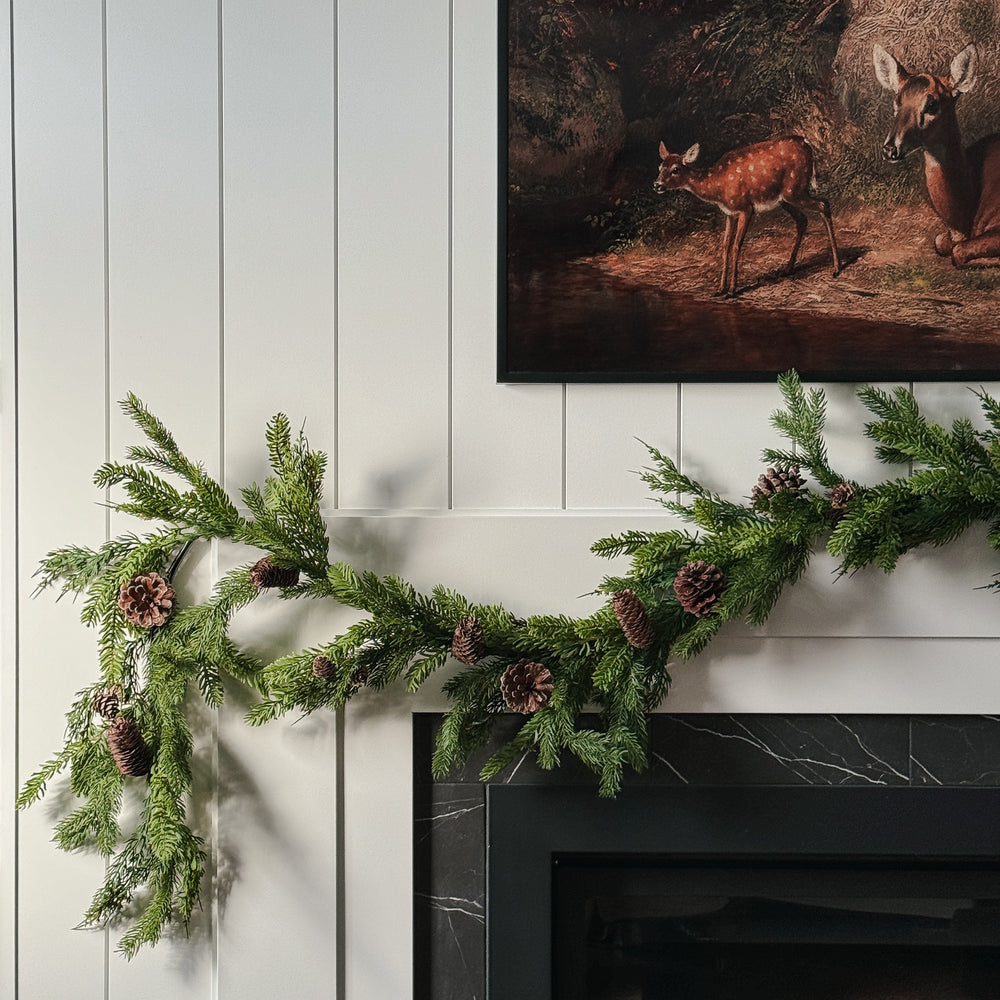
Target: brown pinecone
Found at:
x=106, y=703
x=324, y=668
x=840, y=496
x=146, y=600
x=776, y=479
x=526, y=686
x=132, y=756
x=633, y=618
x=468, y=644
x=265, y=574
x=698, y=585
x=362, y=673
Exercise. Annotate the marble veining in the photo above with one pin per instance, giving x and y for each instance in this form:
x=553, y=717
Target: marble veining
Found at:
x=456, y=904
x=811, y=767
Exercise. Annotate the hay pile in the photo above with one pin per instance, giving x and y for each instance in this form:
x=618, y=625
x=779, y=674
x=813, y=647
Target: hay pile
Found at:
x=923, y=35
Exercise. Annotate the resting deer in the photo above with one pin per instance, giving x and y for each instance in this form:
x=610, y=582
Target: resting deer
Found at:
x=963, y=184
x=746, y=181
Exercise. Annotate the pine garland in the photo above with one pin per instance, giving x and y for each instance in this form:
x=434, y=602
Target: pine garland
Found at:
x=735, y=559
x=154, y=669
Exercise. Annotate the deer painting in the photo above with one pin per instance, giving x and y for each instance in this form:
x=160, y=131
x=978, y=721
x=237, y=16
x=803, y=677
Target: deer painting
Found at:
x=963, y=184
x=748, y=180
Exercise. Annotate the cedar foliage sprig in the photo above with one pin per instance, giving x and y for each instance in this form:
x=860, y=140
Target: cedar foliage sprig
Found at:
x=759, y=546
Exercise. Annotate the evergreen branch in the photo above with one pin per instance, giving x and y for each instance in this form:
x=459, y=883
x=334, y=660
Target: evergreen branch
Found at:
x=627, y=543
x=76, y=567
x=803, y=422
x=406, y=636
x=34, y=787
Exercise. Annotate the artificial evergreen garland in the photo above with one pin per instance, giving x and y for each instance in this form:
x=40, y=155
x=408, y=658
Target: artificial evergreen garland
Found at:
x=132, y=721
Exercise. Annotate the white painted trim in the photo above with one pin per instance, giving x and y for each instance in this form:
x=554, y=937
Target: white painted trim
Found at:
x=378, y=842
x=8, y=540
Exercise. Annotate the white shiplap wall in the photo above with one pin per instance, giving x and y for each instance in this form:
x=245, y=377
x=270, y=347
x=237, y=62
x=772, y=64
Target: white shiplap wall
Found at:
x=237, y=207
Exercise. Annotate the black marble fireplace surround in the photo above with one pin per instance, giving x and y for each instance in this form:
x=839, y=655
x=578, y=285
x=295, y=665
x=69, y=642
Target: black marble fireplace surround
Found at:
x=893, y=756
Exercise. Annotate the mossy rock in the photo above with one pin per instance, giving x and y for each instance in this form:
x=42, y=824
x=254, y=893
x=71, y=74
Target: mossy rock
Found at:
x=565, y=130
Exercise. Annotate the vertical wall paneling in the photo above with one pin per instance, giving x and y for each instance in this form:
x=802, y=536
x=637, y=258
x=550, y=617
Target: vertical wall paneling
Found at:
x=277, y=821
x=851, y=453
x=163, y=203
x=164, y=339
x=507, y=439
x=233, y=207
x=8, y=531
x=392, y=224
x=278, y=75
x=604, y=434
x=378, y=859
x=946, y=401
x=278, y=225
x=723, y=429
x=61, y=427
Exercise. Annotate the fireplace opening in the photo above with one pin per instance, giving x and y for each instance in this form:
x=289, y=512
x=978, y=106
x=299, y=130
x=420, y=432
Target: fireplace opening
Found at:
x=727, y=893
x=662, y=928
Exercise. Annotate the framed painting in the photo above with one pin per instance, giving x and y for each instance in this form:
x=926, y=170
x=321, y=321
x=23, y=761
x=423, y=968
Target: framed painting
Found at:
x=712, y=190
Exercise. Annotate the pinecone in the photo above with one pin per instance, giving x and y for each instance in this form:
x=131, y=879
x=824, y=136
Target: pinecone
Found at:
x=106, y=703
x=633, y=618
x=776, y=480
x=468, y=644
x=324, y=668
x=146, y=600
x=265, y=574
x=526, y=686
x=698, y=585
x=840, y=496
x=128, y=748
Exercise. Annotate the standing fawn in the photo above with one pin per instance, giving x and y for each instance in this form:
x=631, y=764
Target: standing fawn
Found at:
x=749, y=180
x=963, y=184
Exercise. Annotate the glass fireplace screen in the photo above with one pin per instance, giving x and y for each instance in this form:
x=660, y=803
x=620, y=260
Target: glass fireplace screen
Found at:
x=661, y=928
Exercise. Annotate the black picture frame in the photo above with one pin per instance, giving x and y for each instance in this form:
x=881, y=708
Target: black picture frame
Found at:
x=564, y=315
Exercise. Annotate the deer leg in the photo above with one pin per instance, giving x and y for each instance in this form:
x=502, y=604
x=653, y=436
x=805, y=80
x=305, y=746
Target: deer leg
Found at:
x=727, y=245
x=743, y=220
x=983, y=250
x=801, y=221
x=823, y=207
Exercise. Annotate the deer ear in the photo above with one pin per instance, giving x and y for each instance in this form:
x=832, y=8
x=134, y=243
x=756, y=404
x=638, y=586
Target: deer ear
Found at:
x=691, y=155
x=963, y=70
x=888, y=71
x=663, y=151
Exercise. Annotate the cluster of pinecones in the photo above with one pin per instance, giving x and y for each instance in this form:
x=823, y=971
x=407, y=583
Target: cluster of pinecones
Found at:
x=130, y=751
x=526, y=686
x=778, y=479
